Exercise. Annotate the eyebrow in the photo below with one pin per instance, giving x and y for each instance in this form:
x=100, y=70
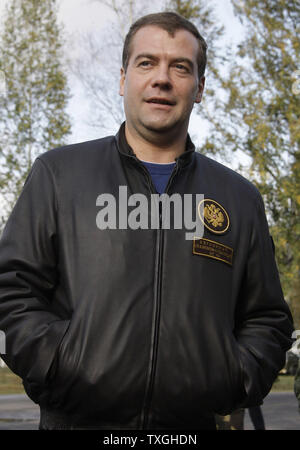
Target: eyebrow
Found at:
x=145, y=55
x=155, y=58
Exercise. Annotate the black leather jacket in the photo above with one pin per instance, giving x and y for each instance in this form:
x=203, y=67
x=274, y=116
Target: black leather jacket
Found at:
x=121, y=329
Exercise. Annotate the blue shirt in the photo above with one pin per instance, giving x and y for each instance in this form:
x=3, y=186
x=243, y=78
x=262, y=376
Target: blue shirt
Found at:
x=160, y=174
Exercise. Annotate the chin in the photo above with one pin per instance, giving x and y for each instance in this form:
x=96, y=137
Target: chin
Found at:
x=159, y=127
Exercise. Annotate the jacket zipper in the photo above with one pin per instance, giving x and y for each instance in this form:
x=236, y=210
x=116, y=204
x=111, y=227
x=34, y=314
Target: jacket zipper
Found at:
x=157, y=305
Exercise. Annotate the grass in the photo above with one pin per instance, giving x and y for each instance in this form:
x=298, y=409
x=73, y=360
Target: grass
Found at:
x=9, y=382
x=12, y=384
x=283, y=383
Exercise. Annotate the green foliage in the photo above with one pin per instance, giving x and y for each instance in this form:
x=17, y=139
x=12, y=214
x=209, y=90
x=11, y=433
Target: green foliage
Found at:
x=32, y=111
x=261, y=119
x=187, y=9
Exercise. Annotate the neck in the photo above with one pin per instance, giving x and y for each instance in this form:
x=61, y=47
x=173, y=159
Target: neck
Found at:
x=160, y=150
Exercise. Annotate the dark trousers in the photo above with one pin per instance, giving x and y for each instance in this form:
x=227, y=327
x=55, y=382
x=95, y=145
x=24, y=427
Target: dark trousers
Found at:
x=256, y=416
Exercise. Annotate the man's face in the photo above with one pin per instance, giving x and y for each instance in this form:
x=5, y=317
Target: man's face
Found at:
x=161, y=83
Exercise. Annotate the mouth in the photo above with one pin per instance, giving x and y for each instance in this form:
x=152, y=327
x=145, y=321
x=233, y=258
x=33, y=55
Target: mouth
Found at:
x=161, y=101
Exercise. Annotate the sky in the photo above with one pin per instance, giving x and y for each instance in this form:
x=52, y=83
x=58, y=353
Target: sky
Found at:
x=79, y=16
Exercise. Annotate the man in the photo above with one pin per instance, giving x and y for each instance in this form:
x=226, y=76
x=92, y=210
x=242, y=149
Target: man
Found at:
x=121, y=328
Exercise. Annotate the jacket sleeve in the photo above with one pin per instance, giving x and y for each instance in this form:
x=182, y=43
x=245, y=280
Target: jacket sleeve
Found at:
x=264, y=324
x=28, y=277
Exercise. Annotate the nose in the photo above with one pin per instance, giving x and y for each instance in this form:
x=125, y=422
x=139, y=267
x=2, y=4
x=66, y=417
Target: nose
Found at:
x=161, y=77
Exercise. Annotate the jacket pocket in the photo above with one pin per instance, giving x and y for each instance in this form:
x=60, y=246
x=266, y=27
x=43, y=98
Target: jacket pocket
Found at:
x=54, y=365
x=52, y=376
x=38, y=391
x=238, y=380
x=231, y=388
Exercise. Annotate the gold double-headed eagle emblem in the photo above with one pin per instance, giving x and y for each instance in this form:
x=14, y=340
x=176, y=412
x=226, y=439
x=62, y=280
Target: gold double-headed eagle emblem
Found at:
x=213, y=216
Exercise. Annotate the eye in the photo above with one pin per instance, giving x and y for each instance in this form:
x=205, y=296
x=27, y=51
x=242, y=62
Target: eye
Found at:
x=181, y=67
x=145, y=63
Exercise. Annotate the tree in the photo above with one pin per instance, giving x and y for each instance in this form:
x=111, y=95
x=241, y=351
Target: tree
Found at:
x=261, y=118
x=186, y=8
x=33, y=115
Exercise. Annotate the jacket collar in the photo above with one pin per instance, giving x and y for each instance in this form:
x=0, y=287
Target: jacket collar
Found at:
x=125, y=149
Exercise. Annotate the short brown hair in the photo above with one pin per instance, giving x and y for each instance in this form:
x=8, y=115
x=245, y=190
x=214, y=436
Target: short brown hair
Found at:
x=170, y=22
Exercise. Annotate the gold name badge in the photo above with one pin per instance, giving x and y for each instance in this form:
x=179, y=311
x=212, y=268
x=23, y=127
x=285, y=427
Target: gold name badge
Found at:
x=212, y=249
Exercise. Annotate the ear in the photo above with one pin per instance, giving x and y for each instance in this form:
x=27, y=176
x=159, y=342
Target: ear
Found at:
x=122, y=81
x=200, y=90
